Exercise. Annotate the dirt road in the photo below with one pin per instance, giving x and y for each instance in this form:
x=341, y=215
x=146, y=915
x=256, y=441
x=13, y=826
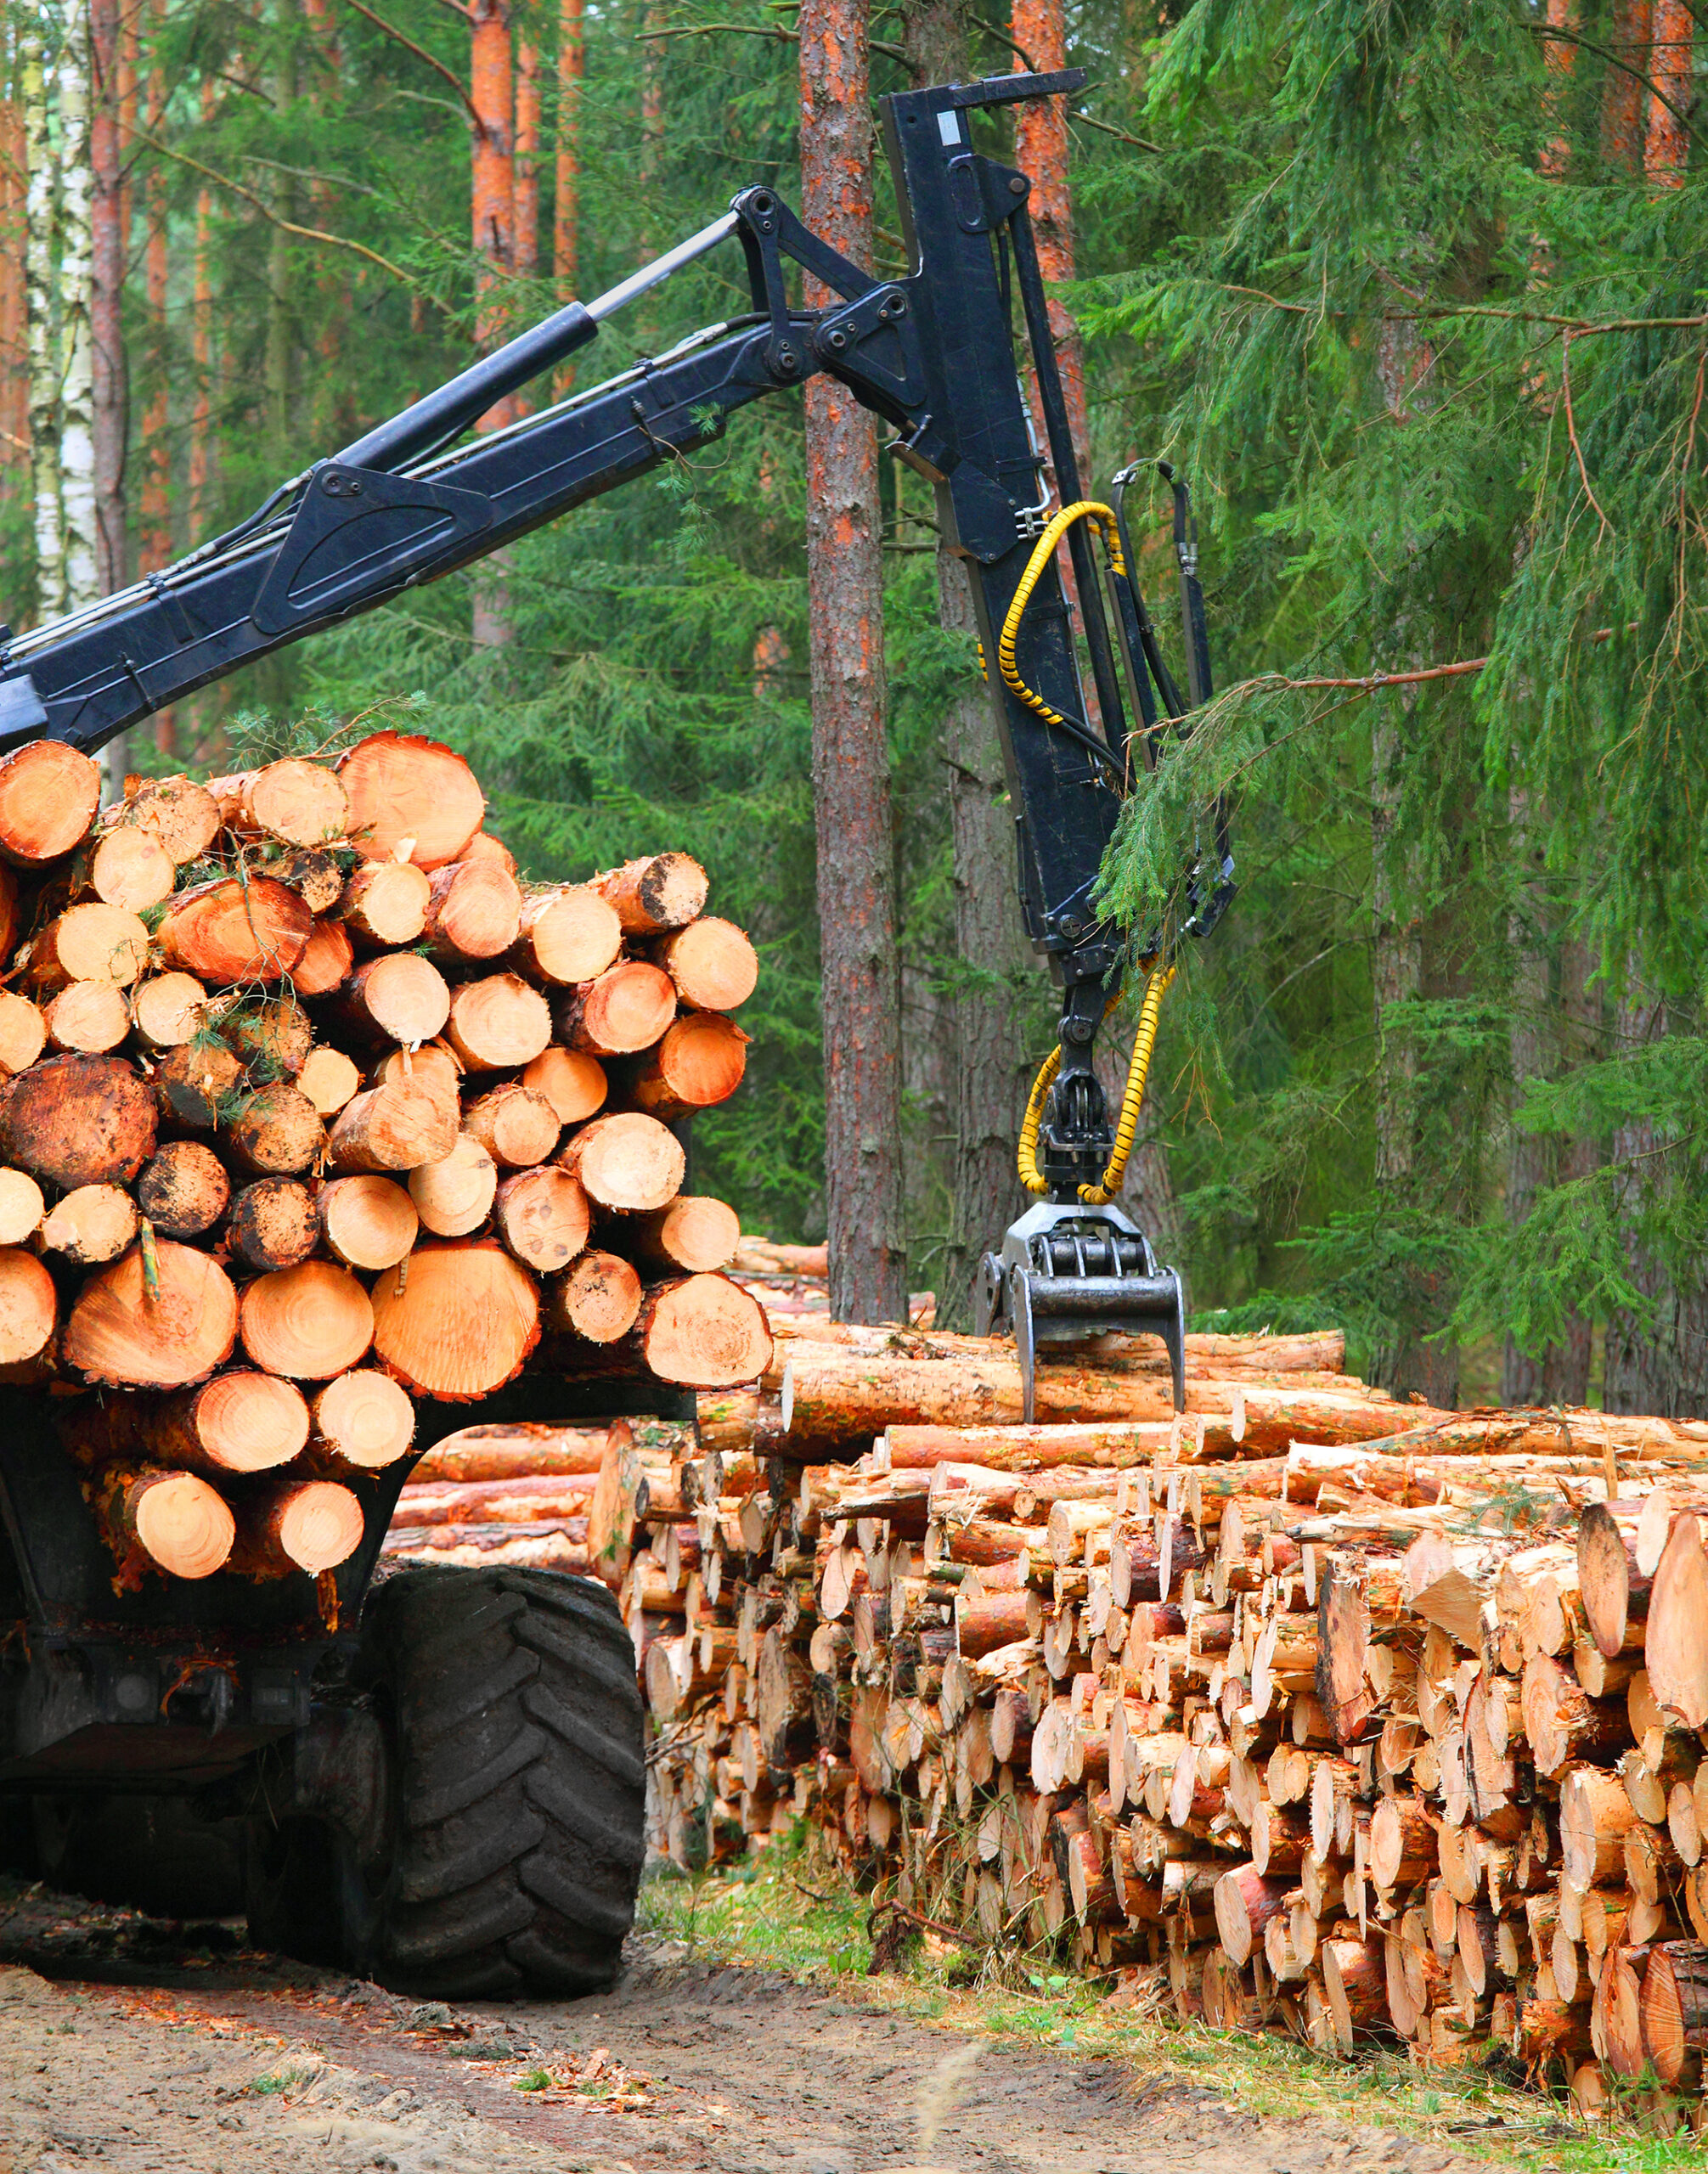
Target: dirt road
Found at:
x=122, y=2048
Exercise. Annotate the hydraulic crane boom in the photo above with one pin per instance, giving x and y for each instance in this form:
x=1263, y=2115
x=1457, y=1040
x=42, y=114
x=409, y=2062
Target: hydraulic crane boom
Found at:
x=933, y=355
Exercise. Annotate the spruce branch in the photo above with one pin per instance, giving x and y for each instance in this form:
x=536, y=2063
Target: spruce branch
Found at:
x=421, y=53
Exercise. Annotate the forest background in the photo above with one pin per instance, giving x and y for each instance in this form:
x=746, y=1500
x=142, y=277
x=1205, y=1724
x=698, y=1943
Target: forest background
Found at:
x=1413, y=290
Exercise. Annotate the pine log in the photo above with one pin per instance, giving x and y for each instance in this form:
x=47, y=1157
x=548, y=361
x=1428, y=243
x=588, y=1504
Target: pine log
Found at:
x=656, y=895
x=1615, y=2014
x=695, y=1233
x=277, y=1132
x=566, y=937
x=516, y=1126
x=49, y=796
x=87, y=1018
x=163, y=1319
x=89, y=943
x=386, y=903
x=369, y=1222
x=229, y=932
x=542, y=1217
x=599, y=1298
x=239, y=1421
x=713, y=966
x=1675, y=1648
x=510, y=1452
x=397, y=997
x=625, y=1162
x=475, y=910
x=1595, y=1817
x=312, y=873
x=365, y=1418
x=1561, y=1723
x=306, y=1323
x=574, y=1082
x=168, y=1009
x=1401, y=1847
x=21, y=1206
x=530, y=1500
x=23, y=1032
x=91, y=1224
x=405, y=790
x=698, y=1064
x=702, y=1332
x=326, y=961
x=28, y=1308
x=487, y=1547
x=271, y=1036
x=127, y=867
x=184, y=815
x=274, y=1223
x=303, y=1524
x=433, y=1065
x=329, y=1078
x=1608, y=1577
x=483, y=846
x=298, y=801
x=184, y=1191
x=398, y=1127
x=78, y=1120
x=626, y=1009
x=498, y=1023
x=199, y=1084
x=463, y=1323
x=453, y=1195
x=1673, y=2011
x=173, y=1519
x=984, y=1625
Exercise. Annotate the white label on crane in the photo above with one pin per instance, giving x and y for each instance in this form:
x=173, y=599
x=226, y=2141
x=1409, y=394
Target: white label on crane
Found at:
x=949, y=128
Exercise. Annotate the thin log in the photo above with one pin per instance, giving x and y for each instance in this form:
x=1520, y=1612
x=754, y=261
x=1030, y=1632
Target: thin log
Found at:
x=87, y=1018
x=274, y=1223
x=91, y=1224
x=653, y=895
x=542, y=1218
x=713, y=966
x=184, y=815
x=28, y=1308
x=239, y=1421
x=298, y=801
x=326, y=961
x=397, y=998
x=624, y=1010
x=21, y=1206
x=453, y=1197
x=23, y=1032
x=566, y=937
x=184, y=1190
x=627, y=1162
x=1675, y=1641
x=48, y=795
x=365, y=1418
x=400, y=1126
x=129, y=868
x=498, y=1023
x=168, y=1009
x=699, y=1064
x=89, y=943
x=277, y=1132
x=574, y=1082
x=329, y=1079
x=172, y=1520
x=299, y=1525
x=517, y=1126
x=598, y=1299
x=385, y=903
x=694, y=1233
x=474, y=911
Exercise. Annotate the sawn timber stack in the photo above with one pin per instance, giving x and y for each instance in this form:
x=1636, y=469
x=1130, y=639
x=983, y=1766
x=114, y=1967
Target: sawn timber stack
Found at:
x=310, y=1110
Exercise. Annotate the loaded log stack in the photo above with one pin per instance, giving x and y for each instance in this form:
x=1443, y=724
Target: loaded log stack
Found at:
x=1337, y=1715
x=311, y=1109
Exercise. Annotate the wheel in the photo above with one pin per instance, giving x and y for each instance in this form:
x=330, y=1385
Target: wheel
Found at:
x=293, y=1877
x=514, y=1829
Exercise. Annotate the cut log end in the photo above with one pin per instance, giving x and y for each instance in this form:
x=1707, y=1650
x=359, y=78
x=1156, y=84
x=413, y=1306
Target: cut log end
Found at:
x=184, y=1191
x=624, y=1010
x=542, y=1217
x=180, y=1523
x=48, y=795
x=274, y=1223
x=369, y=1222
x=598, y=1300
x=694, y=1234
x=309, y=1525
x=568, y=935
x=364, y=1417
x=157, y=1318
x=459, y=1323
x=239, y=1421
x=410, y=798
x=626, y=1162
x=29, y=1307
x=653, y=895
x=699, y=1064
x=453, y=1197
x=571, y=1081
x=705, y=1333
x=91, y=1225
x=476, y=909
x=230, y=932
x=306, y=1323
x=498, y=1023
x=712, y=962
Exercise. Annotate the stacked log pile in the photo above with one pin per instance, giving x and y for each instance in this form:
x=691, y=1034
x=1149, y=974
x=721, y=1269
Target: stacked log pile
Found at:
x=1344, y=1715
x=309, y=1110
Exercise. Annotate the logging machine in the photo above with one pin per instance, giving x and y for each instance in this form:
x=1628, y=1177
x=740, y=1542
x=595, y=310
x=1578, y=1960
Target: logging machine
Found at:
x=335, y=1740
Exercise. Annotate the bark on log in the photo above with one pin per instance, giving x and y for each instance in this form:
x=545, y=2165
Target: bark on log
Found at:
x=541, y=1216
x=498, y=1023
x=313, y=874
x=365, y=1418
x=274, y=1223
x=598, y=1299
x=271, y=1037
x=306, y=1323
x=23, y=1032
x=653, y=895
x=326, y=961
x=400, y=1126
x=299, y=1525
x=396, y=998
x=278, y=1132
x=28, y=1308
x=462, y=1325
x=184, y=815
x=453, y=1197
x=627, y=1162
x=87, y=1018
x=78, y=1120
x=475, y=910
x=91, y=1224
x=298, y=801
x=384, y=903
x=694, y=1234
x=199, y=1084
x=699, y=1064
x=566, y=937
x=89, y=943
x=713, y=966
x=49, y=796
x=184, y=1191
x=229, y=932
x=529, y=1500
x=239, y=1421
x=625, y=1010
x=574, y=1082
x=510, y=1452
x=517, y=1126
x=161, y=1320
x=402, y=788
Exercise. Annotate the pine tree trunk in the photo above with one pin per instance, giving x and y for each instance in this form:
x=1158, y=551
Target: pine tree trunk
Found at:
x=526, y=214
x=1627, y=33
x=1040, y=151
x=156, y=541
x=566, y=227
x=201, y=353
x=1667, y=139
x=493, y=209
x=43, y=303
x=850, y=755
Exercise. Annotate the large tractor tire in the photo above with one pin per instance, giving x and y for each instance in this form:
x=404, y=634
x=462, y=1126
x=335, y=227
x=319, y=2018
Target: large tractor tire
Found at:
x=516, y=1798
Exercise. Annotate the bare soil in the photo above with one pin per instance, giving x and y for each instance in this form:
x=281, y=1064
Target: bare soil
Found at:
x=127, y=2044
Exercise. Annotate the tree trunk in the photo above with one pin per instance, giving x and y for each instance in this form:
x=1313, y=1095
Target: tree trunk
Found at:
x=1040, y=151
x=106, y=295
x=1623, y=112
x=202, y=351
x=493, y=206
x=14, y=315
x=77, y=347
x=856, y=873
x=526, y=208
x=1667, y=139
x=42, y=300
x=566, y=227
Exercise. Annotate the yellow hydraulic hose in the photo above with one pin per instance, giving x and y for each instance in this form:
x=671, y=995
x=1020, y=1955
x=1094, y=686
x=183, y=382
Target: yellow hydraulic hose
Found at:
x=1144, y=1042
x=1101, y=517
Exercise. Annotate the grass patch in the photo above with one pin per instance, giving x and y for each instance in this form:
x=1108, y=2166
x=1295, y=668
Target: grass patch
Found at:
x=785, y=1911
